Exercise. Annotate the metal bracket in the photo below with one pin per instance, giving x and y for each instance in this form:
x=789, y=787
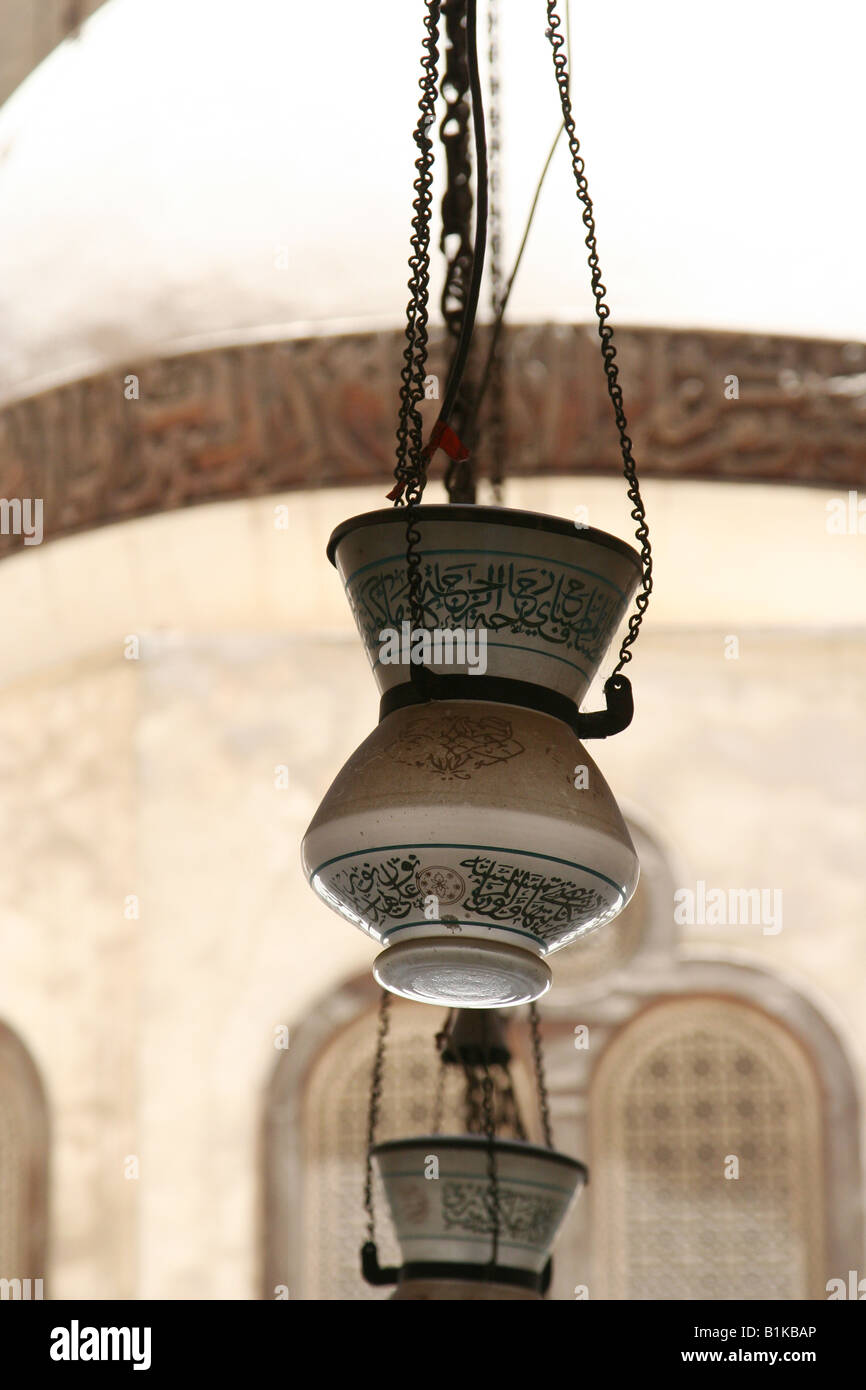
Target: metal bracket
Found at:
x=426, y=685
x=617, y=715
x=371, y=1269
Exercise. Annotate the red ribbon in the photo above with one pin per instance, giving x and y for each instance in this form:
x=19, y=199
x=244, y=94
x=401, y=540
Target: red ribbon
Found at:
x=441, y=437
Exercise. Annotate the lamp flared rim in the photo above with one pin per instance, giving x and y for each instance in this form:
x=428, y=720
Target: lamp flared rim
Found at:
x=500, y=516
x=480, y=1143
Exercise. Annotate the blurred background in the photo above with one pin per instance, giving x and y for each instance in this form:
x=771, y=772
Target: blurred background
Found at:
x=204, y=223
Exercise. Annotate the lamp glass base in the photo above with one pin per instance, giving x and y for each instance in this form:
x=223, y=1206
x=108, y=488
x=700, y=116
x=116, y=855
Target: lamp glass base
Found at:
x=462, y=974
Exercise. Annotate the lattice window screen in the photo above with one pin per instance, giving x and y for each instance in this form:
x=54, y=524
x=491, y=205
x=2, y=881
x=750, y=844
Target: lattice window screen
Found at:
x=334, y=1122
x=685, y=1084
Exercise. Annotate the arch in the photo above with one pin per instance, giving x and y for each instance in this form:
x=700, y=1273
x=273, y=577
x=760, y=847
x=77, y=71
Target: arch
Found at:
x=783, y=1101
x=23, y=1165
x=798, y=1198
x=220, y=423
x=640, y=939
x=316, y=1130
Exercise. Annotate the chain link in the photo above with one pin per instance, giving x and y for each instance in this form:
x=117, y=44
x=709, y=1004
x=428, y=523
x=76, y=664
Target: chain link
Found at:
x=375, y=1106
x=538, y=1058
x=605, y=332
x=410, y=469
x=457, y=207
x=492, y=1173
x=510, y=1110
x=457, y=198
x=496, y=421
x=439, y=1097
x=440, y=1041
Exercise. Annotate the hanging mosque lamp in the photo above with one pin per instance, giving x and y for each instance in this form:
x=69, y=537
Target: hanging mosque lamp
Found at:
x=471, y=834
x=475, y=1214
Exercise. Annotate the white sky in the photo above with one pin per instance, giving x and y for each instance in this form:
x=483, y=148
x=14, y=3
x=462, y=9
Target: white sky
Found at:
x=150, y=170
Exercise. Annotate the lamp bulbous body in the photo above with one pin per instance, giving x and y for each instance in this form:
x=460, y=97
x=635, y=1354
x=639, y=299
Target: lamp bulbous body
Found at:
x=465, y=824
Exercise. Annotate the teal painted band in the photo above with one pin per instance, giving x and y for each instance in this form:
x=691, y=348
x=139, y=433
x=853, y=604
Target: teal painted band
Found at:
x=516, y=931
x=534, y=651
x=414, y=1173
x=489, y=849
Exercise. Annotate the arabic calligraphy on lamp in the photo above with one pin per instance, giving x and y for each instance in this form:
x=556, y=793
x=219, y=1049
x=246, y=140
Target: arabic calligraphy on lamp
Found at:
x=457, y=835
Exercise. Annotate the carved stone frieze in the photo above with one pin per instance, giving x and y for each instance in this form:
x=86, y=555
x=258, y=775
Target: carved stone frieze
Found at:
x=320, y=412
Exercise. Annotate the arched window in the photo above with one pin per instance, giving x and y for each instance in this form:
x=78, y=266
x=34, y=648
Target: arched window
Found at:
x=334, y=1126
x=706, y=1126
x=668, y=1074
x=23, y=1170
x=317, y=1134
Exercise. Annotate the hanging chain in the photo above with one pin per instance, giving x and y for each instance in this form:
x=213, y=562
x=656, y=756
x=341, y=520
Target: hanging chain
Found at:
x=538, y=1058
x=457, y=198
x=605, y=332
x=511, y=1116
x=375, y=1106
x=440, y=1042
x=473, y=1100
x=412, y=457
x=505, y=1107
x=457, y=207
x=410, y=471
x=492, y=1174
x=496, y=411
x=439, y=1097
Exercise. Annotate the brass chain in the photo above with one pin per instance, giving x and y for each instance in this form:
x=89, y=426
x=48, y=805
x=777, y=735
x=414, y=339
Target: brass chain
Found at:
x=457, y=197
x=440, y=1041
x=511, y=1115
x=457, y=208
x=410, y=468
x=496, y=417
x=538, y=1058
x=605, y=332
x=492, y=1167
x=375, y=1107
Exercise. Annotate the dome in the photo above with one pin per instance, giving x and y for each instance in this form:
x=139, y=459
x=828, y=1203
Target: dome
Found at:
x=181, y=175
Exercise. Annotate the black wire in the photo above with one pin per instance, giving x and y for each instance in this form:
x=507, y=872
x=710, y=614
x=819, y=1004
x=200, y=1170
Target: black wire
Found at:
x=503, y=302
x=461, y=351
x=608, y=350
